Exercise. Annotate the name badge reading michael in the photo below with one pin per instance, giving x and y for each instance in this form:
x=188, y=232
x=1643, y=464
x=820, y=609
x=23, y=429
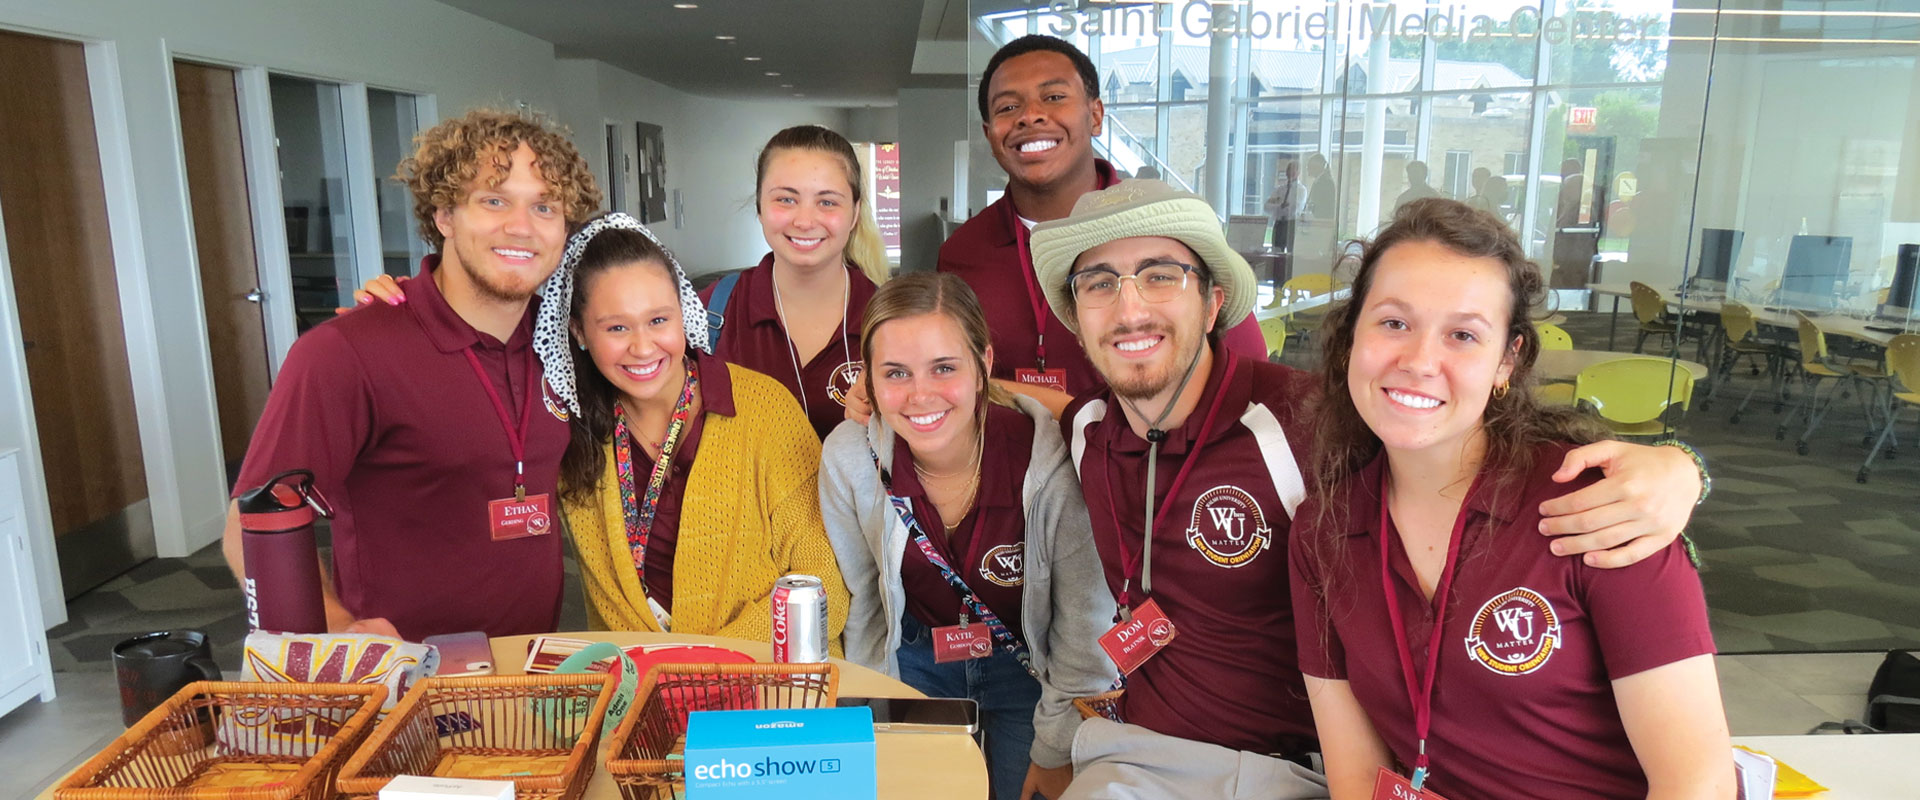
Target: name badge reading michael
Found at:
x=961, y=643
x=1055, y=379
x=1390, y=785
x=1131, y=643
x=513, y=518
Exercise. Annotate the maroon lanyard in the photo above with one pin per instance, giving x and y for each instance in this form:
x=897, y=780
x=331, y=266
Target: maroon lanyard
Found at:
x=1130, y=564
x=516, y=437
x=1420, y=695
x=1036, y=300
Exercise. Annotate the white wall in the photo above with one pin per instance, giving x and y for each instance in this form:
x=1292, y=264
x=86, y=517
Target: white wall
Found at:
x=710, y=147
x=931, y=120
x=872, y=124
x=413, y=46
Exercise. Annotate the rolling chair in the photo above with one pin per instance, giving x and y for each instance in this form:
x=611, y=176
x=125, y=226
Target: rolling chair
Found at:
x=1744, y=341
x=1903, y=361
x=1635, y=396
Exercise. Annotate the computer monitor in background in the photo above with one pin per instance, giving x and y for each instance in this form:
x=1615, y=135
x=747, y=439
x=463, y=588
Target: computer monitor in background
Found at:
x=1247, y=233
x=1906, y=271
x=1719, y=251
x=1816, y=266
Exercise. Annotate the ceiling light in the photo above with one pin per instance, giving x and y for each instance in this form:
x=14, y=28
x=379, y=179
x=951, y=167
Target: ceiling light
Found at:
x=753, y=58
x=723, y=37
x=786, y=86
x=773, y=74
x=686, y=5
x=799, y=94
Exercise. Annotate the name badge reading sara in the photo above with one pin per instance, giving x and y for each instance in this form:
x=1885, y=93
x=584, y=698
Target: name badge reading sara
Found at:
x=512, y=518
x=1131, y=643
x=1390, y=785
x=1055, y=379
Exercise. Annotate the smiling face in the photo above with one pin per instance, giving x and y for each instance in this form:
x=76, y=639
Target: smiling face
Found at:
x=1142, y=348
x=1040, y=119
x=806, y=208
x=631, y=324
x=503, y=240
x=1429, y=346
x=926, y=383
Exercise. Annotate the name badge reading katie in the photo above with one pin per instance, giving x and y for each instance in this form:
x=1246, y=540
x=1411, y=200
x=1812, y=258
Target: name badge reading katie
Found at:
x=1390, y=785
x=512, y=518
x=961, y=643
x=1055, y=379
x=1131, y=643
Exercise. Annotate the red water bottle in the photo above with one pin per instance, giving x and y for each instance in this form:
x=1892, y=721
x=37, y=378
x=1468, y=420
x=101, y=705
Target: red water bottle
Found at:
x=282, y=560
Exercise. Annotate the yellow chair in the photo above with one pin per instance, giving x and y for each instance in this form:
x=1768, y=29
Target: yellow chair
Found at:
x=1274, y=330
x=1903, y=361
x=1743, y=341
x=1817, y=366
x=1553, y=337
x=1635, y=394
x=1650, y=308
x=1302, y=287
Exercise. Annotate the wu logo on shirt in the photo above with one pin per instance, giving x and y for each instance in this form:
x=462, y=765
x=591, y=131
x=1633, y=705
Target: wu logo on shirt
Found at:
x=1005, y=565
x=1227, y=527
x=1514, y=633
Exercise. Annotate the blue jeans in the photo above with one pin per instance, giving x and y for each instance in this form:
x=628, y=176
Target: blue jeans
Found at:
x=1006, y=693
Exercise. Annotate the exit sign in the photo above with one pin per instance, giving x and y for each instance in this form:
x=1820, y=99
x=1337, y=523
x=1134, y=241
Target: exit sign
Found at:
x=1580, y=118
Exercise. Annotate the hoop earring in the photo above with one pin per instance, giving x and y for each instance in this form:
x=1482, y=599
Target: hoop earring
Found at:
x=1500, y=392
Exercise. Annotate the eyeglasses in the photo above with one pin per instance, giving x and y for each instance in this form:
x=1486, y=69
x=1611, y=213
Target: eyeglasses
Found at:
x=1099, y=287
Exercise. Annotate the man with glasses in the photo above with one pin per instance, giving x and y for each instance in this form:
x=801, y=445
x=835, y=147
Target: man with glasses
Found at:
x=1142, y=274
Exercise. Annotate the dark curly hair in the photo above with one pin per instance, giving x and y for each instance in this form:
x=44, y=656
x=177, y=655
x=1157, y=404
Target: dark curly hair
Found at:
x=1036, y=43
x=448, y=156
x=1512, y=423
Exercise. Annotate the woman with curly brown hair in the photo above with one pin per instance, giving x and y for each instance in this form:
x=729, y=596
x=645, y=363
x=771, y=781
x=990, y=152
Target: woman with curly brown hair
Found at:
x=1445, y=647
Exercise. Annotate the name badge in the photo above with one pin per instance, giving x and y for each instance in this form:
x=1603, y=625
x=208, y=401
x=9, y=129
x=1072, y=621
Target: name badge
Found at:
x=1390, y=785
x=957, y=643
x=512, y=518
x=1055, y=379
x=1131, y=643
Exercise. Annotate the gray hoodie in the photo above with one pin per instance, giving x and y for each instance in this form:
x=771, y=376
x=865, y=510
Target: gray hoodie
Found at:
x=1065, y=604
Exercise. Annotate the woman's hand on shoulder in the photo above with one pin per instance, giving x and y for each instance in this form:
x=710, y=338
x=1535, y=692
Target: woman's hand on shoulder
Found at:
x=384, y=288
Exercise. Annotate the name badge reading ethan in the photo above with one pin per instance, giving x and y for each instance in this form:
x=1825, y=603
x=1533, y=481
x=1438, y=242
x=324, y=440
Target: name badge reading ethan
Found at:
x=1131, y=643
x=513, y=518
x=1055, y=379
x=1390, y=785
x=961, y=642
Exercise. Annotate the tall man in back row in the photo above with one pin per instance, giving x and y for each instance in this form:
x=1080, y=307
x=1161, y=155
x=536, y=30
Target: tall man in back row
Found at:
x=1040, y=108
x=424, y=424
x=1189, y=460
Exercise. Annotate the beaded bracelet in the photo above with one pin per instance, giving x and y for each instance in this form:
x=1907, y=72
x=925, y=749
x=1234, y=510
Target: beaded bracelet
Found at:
x=1706, y=478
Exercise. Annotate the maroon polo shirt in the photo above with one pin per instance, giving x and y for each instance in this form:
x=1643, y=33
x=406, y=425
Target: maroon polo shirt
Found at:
x=1523, y=698
x=989, y=547
x=716, y=398
x=384, y=408
x=986, y=253
x=754, y=338
x=1219, y=553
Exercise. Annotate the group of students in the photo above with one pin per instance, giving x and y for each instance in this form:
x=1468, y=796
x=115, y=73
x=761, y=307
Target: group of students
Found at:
x=1061, y=434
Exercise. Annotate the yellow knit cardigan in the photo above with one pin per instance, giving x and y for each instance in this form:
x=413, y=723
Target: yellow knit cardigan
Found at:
x=750, y=514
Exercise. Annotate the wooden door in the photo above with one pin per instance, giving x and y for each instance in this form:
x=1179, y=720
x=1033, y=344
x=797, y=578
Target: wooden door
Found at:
x=223, y=239
x=57, y=240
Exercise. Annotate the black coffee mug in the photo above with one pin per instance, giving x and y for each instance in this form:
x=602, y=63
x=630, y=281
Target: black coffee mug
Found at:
x=152, y=667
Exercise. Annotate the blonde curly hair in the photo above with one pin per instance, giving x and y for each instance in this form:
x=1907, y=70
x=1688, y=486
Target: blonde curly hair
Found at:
x=449, y=155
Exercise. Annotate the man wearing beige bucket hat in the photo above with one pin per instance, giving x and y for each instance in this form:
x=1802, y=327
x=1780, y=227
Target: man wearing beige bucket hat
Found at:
x=1214, y=704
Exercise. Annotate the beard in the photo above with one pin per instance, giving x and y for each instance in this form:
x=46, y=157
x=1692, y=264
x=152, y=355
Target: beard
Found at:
x=1146, y=380
x=490, y=284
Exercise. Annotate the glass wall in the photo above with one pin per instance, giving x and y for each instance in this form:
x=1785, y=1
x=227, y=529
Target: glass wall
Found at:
x=311, y=137
x=1753, y=164
x=393, y=119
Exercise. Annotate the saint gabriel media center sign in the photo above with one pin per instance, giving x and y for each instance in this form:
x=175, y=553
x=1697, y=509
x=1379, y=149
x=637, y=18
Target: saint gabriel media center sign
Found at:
x=1309, y=22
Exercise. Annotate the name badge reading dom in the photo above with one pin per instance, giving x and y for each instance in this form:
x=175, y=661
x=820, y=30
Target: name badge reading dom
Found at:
x=512, y=518
x=1390, y=785
x=1055, y=379
x=1131, y=643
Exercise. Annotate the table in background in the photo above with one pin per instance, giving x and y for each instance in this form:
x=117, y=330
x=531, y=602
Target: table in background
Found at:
x=925, y=766
x=1867, y=767
x=1565, y=365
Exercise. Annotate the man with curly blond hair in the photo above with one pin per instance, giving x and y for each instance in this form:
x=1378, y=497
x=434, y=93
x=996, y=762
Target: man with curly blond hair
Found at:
x=426, y=424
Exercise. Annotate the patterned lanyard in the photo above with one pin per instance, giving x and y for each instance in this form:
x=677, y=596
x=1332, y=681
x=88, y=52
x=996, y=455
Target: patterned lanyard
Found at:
x=639, y=515
x=975, y=606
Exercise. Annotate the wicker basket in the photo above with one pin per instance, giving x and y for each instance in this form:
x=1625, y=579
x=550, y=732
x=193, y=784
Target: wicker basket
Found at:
x=223, y=740
x=1105, y=705
x=656, y=727
x=538, y=731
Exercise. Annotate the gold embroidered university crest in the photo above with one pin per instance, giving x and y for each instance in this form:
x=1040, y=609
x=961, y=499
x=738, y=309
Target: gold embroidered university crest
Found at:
x=1514, y=633
x=1228, y=527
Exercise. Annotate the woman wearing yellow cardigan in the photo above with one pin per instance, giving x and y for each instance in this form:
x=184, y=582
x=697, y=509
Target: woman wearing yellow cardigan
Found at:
x=689, y=485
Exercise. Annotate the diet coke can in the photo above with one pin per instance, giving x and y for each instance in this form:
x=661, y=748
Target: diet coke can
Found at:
x=799, y=620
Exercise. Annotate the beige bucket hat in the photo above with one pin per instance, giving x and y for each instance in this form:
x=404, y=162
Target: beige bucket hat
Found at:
x=1140, y=207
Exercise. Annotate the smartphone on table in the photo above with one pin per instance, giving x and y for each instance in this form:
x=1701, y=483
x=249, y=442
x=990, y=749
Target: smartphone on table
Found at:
x=919, y=714
x=463, y=654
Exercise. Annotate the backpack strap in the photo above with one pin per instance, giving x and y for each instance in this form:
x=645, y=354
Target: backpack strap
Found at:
x=717, y=309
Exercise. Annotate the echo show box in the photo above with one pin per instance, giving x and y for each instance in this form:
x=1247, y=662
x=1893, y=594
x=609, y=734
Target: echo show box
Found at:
x=804, y=754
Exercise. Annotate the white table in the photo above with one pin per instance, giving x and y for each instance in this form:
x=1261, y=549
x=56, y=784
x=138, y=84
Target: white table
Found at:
x=1876, y=767
x=1565, y=365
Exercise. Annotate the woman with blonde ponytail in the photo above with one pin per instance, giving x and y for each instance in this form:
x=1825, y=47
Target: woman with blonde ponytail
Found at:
x=796, y=316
